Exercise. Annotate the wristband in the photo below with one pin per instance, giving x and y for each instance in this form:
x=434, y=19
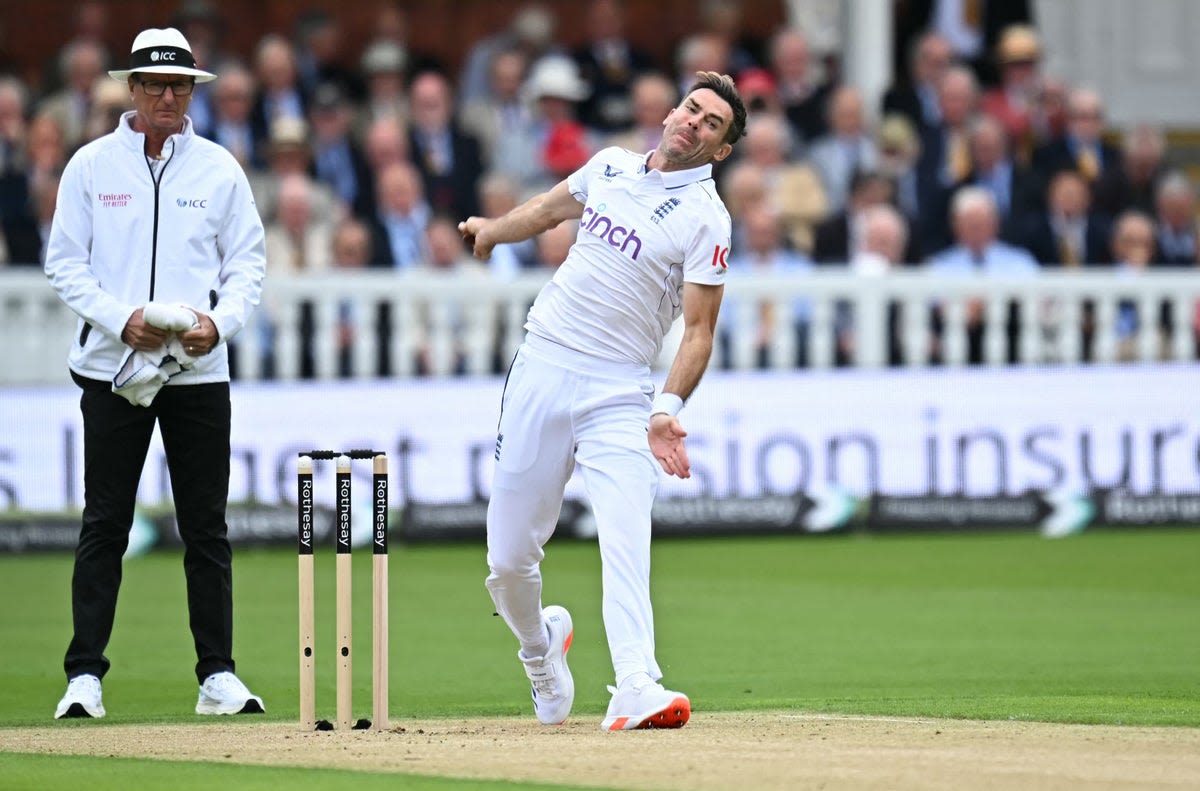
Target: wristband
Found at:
x=667, y=404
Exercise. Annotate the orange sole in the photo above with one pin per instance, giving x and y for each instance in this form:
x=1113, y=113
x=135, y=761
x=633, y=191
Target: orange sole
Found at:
x=674, y=715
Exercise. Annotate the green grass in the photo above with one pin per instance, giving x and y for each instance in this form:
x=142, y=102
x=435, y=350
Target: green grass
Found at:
x=1099, y=628
x=31, y=773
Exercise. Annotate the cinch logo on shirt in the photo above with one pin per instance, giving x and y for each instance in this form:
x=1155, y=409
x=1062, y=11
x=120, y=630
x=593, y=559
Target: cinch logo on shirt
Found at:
x=616, y=235
x=111, y=200
x=195, y=203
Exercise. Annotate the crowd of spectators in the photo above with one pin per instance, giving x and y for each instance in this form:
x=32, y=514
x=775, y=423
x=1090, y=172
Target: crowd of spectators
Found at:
x=366, y=159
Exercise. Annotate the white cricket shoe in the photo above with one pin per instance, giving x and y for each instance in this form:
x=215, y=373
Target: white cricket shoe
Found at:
x=224, y=693
x=552, y=687
x=82, y=698
x=645, y=704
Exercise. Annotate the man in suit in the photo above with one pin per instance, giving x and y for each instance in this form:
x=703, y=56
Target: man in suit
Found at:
x=448, y=159
x=1068, y=233
x=1082, y=148
x=1134, y=183
x=398, y=227
x=1175, y=221
x=802, y=97
x=1014, y=187
x=609, y=61
x=279, y=92
x=846, y=149
x=917, y=97
x=337, y=158
x=233, y=101
x=945, y=153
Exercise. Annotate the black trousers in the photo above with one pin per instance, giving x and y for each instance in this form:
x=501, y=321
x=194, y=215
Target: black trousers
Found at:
x=194, y=421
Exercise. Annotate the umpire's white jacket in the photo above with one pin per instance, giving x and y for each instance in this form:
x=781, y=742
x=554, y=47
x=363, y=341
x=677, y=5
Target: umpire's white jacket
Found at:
x=124, y=235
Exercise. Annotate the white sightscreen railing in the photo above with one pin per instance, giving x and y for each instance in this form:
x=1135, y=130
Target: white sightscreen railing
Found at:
x=440, y=325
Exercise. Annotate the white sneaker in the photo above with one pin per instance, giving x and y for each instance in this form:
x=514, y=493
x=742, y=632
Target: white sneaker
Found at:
x=82, y=698
x=645, y=704
x=552, y=687
x=224, y=693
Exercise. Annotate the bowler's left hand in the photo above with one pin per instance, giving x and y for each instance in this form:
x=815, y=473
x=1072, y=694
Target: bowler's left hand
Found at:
x=666, y=443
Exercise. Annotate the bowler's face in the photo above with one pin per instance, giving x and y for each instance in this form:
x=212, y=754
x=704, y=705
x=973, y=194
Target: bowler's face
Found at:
x=695, y=130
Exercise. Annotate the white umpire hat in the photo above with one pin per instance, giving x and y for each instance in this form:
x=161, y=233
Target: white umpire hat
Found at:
x=162, y=51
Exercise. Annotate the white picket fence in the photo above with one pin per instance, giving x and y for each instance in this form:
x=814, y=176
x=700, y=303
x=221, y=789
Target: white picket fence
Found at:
x=468, y=324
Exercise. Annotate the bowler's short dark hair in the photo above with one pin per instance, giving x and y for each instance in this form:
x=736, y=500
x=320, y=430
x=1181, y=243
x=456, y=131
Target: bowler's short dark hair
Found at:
x=722, y=85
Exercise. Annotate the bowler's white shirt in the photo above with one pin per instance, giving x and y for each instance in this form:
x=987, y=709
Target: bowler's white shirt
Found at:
x=643, y=234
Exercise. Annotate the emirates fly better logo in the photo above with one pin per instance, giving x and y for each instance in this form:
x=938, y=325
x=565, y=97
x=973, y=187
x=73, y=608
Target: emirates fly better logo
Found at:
x=112, y=200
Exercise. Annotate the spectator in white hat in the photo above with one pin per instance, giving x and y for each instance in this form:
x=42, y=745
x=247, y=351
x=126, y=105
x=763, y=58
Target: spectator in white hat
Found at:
x=557, y=143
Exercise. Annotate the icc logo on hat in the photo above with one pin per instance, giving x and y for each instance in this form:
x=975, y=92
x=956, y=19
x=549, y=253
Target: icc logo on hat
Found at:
x=164, y=51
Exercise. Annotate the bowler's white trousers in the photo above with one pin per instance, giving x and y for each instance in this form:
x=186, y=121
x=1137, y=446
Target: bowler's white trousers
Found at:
x=561, y=408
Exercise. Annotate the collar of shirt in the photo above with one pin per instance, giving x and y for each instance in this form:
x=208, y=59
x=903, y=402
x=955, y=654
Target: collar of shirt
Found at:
x=137, y=140
x=673, y=179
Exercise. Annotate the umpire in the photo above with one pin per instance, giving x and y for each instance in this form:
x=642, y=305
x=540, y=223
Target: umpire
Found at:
x=152, y=218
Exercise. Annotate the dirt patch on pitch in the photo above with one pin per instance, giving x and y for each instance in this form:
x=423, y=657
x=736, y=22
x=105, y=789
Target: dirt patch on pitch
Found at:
x=715, y=751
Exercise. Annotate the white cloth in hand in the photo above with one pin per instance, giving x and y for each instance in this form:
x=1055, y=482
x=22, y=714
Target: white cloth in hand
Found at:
x=142, y=374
